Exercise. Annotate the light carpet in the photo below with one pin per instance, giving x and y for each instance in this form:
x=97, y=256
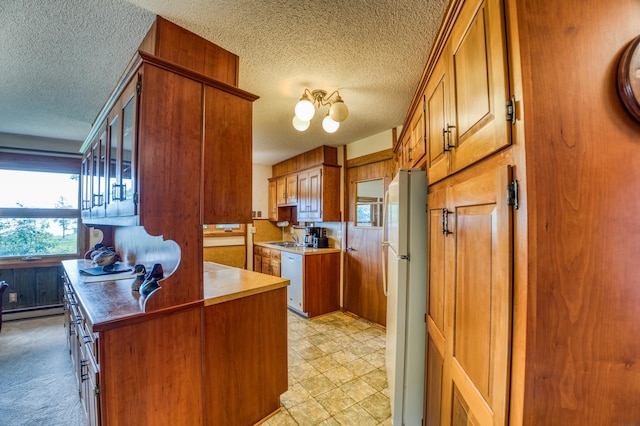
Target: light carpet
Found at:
x=37, y=385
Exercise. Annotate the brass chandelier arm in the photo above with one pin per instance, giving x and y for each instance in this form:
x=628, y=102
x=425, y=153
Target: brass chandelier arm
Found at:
x=320, y=97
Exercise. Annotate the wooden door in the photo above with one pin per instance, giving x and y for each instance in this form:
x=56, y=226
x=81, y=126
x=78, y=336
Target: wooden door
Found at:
x=478, y=301
x=478, y=68
x=363, y=293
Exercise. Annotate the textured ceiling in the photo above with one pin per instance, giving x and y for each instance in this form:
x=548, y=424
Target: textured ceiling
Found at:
x=60, y=60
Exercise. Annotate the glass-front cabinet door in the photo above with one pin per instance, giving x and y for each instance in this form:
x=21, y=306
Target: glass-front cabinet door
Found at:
x=114, y=147
x=98, y=167
x=126, y=176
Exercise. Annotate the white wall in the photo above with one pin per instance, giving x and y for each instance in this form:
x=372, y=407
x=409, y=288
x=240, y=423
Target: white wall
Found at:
x=375, y=143
x=261, y=189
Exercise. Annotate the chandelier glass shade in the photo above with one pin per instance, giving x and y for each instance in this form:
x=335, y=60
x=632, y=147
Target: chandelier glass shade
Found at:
x=310, y=100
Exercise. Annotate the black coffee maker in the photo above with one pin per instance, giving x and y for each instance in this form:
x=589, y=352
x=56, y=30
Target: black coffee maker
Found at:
x=316, y=237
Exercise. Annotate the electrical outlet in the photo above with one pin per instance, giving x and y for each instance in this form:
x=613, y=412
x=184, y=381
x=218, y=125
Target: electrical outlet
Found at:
x=13, y=297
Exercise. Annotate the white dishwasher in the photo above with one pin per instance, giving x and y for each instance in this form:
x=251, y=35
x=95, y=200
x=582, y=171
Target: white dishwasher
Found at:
x=291, y=269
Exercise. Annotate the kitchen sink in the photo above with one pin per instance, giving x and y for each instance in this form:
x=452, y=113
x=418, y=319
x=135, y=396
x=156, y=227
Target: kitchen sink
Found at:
x=287, y=244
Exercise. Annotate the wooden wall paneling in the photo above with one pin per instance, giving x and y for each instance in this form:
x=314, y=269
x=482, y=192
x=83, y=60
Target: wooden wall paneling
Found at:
x=246, y=363
x=583, y=171
x=151, y=355
x=24, y=283
x=171, y=116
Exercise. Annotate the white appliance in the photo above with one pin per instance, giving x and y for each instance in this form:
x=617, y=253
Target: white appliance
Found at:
x=405, y=285
x=291, y=268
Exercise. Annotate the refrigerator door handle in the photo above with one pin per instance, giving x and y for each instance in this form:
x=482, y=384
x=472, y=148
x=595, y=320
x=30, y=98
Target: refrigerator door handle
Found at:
x=384, y=243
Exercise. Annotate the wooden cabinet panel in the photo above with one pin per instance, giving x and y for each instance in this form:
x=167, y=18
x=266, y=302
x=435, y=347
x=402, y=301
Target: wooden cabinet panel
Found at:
x=417, y=146
x=477, y=298
x=142, y=355
x=436, y=239
x=438, y=116
x=321, y=282
x=267, y=261
x=178, y=45
x=273, y=200
x=248, y=366
x=480, y=83
x=291, y=184
x=227, y=157
x=310, y=199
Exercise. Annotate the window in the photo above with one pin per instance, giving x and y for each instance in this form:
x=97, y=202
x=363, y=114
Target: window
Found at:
x=218, y=230
x=369, y=203
x=39, y=213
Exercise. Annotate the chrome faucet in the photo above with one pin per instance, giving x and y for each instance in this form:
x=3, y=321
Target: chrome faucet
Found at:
x=295, y=237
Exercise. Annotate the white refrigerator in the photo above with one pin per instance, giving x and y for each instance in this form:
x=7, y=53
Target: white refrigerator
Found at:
x=405, y=283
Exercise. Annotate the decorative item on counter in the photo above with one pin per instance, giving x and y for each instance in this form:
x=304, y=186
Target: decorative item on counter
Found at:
x=102, y=255
x=151, y=280
x=139, y=271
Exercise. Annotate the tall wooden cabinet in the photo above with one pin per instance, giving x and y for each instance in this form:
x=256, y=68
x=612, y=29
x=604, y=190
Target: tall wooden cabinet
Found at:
x=532, y=307
x=470, y=300
x=459, y=112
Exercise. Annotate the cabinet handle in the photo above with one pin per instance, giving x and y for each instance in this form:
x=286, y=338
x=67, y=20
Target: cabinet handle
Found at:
x=118, y=191
x=100, y=199
x=84, y=375
x=445, y=222
x=410, y=150
x=446, y=138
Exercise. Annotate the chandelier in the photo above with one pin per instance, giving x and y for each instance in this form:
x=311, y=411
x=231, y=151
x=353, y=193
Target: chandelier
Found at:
x=312, y=99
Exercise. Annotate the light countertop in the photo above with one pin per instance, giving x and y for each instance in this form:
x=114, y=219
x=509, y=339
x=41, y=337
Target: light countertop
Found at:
x=299, y=250
x=109, y=299
x=223, y=283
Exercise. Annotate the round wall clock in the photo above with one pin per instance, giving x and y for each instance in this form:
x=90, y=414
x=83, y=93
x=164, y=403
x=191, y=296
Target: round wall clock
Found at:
x=629, y=78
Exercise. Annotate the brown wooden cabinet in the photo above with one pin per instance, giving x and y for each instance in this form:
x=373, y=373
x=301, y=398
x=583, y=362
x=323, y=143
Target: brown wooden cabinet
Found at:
x=320, y=283
x=438, y=119
x=287, y=190
x=129, y=149
x=266, y=260
x=318, y=195
x=518, y=329
x=83, y=346
x=313, y=190
x=467, y=95
x=416, y=138
x=273, y=200
x=470, y=300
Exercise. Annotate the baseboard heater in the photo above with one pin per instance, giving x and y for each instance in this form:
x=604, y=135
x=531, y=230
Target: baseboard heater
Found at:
x=39, y=311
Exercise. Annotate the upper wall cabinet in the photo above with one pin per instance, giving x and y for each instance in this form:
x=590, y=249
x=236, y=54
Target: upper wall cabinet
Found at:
x=464, y=110
x=310, y=190
x=167, y=132
x=480, y=85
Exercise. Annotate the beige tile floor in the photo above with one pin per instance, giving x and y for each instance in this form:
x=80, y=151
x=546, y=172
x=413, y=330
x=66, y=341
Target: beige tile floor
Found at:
x=336, y=373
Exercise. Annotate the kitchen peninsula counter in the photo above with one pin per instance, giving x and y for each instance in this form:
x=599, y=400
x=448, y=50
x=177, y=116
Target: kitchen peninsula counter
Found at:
x=223, y=283
x=218, y=360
